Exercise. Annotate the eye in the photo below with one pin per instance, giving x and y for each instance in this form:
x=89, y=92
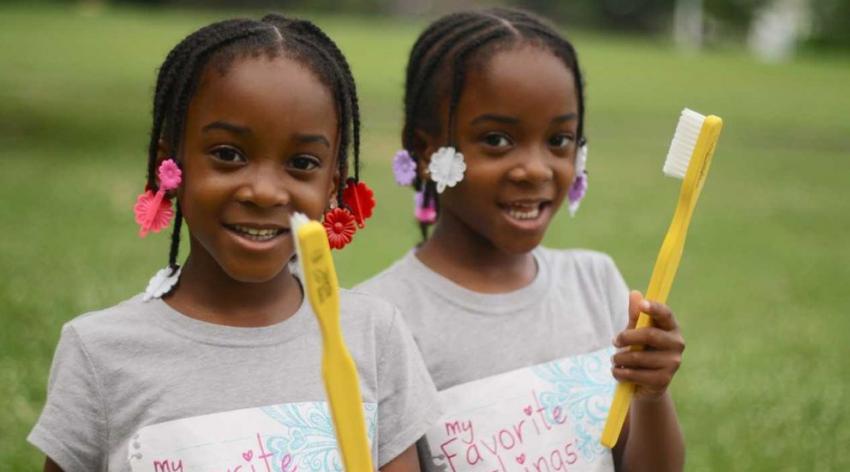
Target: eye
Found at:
x=497, y=140
x=227, y=154
x=561, y=141
x=304, y=162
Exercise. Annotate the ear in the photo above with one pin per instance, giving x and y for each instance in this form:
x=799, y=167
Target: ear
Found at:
x=163, y=151
x=424, y=144
x=335, y=183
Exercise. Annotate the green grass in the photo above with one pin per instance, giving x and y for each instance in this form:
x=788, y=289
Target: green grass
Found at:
x=760, y=293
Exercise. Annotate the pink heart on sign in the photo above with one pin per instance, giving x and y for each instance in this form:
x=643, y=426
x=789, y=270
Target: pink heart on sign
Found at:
x=248, y=455
x=527, y=410
x=521, y=459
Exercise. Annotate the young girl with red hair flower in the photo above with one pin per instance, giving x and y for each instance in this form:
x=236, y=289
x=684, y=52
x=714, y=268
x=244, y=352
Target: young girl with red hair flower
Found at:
x=216, y=366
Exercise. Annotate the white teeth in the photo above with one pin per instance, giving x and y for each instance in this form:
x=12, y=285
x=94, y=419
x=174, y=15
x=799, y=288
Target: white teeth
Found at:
x=529, y=214
x=256, y=234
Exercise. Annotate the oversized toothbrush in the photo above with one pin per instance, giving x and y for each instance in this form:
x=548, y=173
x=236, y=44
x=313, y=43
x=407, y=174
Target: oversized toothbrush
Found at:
x=689, y=158
x=338, y=369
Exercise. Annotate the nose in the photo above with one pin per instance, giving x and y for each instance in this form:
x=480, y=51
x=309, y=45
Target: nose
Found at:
x=264, y=186
x=533, y=167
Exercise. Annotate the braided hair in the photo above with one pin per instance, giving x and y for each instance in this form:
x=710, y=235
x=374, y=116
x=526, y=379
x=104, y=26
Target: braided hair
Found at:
x=441, y=57
x=218, y=45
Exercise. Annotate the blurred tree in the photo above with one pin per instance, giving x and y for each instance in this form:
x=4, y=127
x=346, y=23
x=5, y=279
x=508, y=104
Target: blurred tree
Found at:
x=735, y=13
x=720, y=19
x=688, y=24
x=831, y=23
x=777, y=28
x=623, y=15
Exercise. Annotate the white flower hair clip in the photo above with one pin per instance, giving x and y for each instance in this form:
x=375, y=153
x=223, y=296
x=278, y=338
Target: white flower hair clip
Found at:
x=446, y=168
x=161, y=283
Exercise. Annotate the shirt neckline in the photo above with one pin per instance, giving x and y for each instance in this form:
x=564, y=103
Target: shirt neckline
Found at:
x=222, y=335
x=482, y=303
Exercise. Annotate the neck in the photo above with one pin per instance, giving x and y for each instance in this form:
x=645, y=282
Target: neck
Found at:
x=207, y=293
x=460, y=254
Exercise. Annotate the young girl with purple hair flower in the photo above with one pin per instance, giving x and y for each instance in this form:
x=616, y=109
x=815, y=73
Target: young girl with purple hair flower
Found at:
x=517, y=337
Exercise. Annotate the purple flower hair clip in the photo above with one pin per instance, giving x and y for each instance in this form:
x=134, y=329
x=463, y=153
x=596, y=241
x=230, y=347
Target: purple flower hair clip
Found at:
x=578, y=189
x=404, y=168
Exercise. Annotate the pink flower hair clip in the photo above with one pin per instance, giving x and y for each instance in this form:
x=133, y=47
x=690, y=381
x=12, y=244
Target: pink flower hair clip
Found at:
x=424, y=213
x=153, y=210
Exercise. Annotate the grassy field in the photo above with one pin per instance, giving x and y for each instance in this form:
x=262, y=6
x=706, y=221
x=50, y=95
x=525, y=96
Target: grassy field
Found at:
x=766, y=382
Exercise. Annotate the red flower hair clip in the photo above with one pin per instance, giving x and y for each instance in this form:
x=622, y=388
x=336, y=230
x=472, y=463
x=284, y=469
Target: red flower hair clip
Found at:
x=361, y=199
x=340, y=226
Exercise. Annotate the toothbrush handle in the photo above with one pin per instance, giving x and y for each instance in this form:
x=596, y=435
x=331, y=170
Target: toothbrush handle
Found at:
x=659, y=286
x=666, y=266
x=338, y=369
x=668, y=259
x=343, y=387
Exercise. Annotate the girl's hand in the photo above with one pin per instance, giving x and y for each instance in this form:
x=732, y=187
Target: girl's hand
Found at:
x=651, y=369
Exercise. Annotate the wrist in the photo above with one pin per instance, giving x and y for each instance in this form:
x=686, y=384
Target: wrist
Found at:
x=651, y=400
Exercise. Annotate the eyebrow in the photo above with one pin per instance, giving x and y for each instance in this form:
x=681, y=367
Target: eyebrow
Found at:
x=509, y=120
x=312, y=138
x=242, y=130
x=563, y=118
x=223, y=125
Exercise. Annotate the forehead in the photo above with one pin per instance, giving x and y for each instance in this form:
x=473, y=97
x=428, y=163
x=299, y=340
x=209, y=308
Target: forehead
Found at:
x=265, y=92
x=522, y=77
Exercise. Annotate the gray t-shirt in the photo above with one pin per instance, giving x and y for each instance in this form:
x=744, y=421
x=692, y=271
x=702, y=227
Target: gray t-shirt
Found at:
x=143, y=363
x=575, y=305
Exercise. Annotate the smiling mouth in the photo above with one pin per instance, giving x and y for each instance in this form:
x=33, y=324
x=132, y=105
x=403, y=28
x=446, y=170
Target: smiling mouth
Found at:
x=256, y=234
x=524, y=211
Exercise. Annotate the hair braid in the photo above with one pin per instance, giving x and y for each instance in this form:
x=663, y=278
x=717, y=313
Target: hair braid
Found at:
x=419, y=78
x=459, y=68
x=350, y=86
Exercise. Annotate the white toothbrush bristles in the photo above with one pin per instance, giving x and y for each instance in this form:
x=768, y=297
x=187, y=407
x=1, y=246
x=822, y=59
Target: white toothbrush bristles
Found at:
x=683, y=144
x=296, y=221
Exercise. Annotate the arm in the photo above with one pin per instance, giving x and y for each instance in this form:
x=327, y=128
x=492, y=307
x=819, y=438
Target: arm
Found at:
x=71, y=429
x=651, y=439
x=50, y=466
x=407, y=399
x=407, y=461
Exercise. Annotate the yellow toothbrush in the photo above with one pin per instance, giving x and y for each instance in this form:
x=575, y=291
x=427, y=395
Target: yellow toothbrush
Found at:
x=338, y=369
x=688, y=158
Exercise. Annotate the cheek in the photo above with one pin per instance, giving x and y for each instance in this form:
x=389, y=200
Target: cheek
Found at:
x=565, y=172
x=202, y=196
x=313, y=198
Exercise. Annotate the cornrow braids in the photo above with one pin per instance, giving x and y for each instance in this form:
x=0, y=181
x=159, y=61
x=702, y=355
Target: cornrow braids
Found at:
x=459, y=68
x=219, y=44
x=432, y=46
x=441, y=57
x=351, y=88
x=426, y=65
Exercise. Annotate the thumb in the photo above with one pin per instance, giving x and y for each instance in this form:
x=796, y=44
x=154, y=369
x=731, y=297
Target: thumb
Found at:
x=635, y=299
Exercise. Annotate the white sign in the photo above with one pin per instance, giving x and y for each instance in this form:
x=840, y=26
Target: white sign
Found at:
x=291, y=437
x=544, y=418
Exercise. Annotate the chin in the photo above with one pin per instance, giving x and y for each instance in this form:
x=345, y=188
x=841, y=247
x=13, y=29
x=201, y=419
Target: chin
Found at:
x=520, y=246
x=256, y=275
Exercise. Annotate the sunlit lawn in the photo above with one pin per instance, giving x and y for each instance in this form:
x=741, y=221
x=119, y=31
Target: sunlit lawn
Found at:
x=761, y=293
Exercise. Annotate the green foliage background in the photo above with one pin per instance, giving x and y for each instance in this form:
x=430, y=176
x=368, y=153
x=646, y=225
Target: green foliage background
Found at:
x=761, y=293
